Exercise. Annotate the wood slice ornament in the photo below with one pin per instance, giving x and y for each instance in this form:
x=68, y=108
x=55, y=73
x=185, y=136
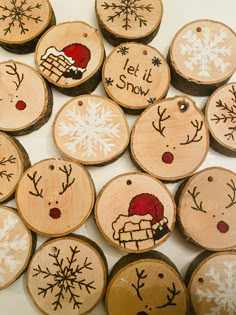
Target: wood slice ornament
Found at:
x=211, y=283
x=220, y=114
x=206, y=209
x=170, y=139
x=72, y=62
x=146, y=284
x=55, y=197
x=123, y=21
x=14, y=160
x=67, y=276
x=141, y=218
x=23, y=22
x=202, y=57
x=17, y=244
x=135, y=76
x=91, y=129
x=26, y=100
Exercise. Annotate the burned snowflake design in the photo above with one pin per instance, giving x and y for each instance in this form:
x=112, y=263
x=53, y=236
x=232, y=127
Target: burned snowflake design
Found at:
x=10, y=245
x=123, y=50
x=224, y=293
x=109, y=81
x=17, y=13
x=92, y=132
x=67, y=280
x=128, y=11
x=206, y=52
x=156, y=61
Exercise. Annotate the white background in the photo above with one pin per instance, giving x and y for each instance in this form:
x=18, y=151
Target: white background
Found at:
x=39, y=145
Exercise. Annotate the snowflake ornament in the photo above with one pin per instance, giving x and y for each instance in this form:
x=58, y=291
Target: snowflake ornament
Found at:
x=17, y=12
x=205, y=52
x=91, y=133
x=224, y=294
x=9, y=246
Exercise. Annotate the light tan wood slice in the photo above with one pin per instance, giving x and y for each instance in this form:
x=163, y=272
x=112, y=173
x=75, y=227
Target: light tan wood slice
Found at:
x=26, y=100
x=212, y=284
x=144, y=284
x=14, y=161
x=122, y=21
x=220, y=113
x=67, y=276
x=135, y=76
x=202, y=57
x=70, y=56
x=22, y=22
x=91, y=129
x=16, y=246
x=206, y=209
x=140, y=217
x=55, y=197
x=170, y=139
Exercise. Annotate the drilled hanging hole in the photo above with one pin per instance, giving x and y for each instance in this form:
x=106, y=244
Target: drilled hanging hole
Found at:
x=145, y=52
x=129, y=182
x=51, y=167
x=210, y=179
x=54, y=249
x=198, y=29
x=183, y=106
x=85, y=35
x=201, y=280
x=160, y=275
x=80, y=103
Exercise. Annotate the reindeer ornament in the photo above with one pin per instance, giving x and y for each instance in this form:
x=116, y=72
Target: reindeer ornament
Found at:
x=170, y=139
x=54, y=197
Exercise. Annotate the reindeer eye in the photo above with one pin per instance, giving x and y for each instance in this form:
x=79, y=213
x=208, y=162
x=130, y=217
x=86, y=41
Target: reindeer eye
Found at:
x=129, y=182
x=51, y=167
x=56, y=202
x=160, y=275
x=49, y=203
x=210, y=179
x=200, y=280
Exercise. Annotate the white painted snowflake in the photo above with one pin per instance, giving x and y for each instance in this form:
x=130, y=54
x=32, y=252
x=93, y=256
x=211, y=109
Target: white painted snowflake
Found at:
x=224, y=295
x=91, y=132
x=8, y=245
x=205, y=52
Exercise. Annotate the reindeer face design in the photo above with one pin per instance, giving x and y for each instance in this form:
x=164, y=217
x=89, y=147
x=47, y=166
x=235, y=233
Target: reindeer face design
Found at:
x=207, y=208
x=147, y=287
x=22, y=96
x=170, y=139
x=51, y=196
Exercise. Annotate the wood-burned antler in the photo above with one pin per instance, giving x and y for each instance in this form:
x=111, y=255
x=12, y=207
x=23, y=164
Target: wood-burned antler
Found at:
x=232, y=198
x=194, y=194
x=138, y=286
x=14, y=72
x=68, y=183
x=195, y=138
x=160, y=128
x=170, y=299
x=37, y=192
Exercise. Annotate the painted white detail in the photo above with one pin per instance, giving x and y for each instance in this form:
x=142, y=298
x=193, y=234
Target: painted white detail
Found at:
x=91, y=132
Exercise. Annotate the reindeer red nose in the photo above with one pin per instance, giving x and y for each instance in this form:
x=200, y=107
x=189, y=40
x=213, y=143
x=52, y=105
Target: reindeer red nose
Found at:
x=222, y=227
x=167, y=157
x=55, y=213
x=20, y=105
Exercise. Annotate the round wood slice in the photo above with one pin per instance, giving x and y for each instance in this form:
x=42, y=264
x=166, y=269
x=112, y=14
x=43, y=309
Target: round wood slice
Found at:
x=141, y=219
x=206, y=209
x=145, y=284
x=202, y=57
x=72, y=62
x=135, y=76
x=55, y=197
x=220, y=114
x=122, y=21
x=170, y=139
x=16, y=246
x=26, y=100
x=67, y=276
x=22, y=23
x=91, y=129
x=211, y=284
x=14, y=160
